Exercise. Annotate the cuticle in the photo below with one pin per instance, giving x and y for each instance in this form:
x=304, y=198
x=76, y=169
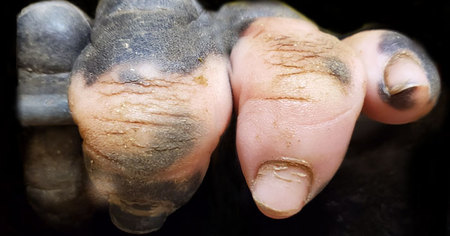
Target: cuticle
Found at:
x=290, y=162
x=402, y=54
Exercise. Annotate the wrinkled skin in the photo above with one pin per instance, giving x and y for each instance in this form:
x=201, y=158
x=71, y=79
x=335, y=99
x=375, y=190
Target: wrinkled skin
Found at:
x=151, y=113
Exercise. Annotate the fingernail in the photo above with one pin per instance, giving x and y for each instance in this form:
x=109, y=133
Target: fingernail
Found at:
x=404, y=81
x=282, y=187
x=135, y=218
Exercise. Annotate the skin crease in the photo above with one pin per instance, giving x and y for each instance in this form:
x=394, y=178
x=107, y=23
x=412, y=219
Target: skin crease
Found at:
x=278, y=122
x=129, y=133
x=80, y=96
x=271, y=144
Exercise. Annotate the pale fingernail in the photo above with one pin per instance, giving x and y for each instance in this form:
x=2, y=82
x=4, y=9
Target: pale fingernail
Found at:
x=282, y=187
x=404, y=81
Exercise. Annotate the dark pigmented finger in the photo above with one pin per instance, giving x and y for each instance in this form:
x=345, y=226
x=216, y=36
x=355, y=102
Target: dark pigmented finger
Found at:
x=403, y=83
x=162, y=128
x=151, y=98
x=50, y=36
x=55, y=177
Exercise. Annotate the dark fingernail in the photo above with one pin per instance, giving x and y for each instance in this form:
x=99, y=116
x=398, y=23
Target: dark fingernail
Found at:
x=137, y=219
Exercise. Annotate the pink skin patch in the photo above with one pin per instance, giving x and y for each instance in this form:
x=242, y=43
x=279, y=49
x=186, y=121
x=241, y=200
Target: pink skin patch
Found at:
x=296, y=105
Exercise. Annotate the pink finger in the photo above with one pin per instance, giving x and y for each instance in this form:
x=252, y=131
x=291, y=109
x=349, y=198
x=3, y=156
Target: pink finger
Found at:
x=298, y=92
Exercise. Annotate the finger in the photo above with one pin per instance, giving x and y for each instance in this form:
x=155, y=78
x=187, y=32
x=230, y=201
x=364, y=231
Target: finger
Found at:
x=402, y=82
x=50, y=36
x=151, y=100
x=55, y=177
x=298, y=92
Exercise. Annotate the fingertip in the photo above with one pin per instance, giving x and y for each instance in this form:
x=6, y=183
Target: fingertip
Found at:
x=403, y=84
x=50, y=36
x=282, y=187
x=403, y=95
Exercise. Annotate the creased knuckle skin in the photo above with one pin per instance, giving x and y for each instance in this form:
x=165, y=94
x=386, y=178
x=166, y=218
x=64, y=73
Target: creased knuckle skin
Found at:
x=141, y=126
x=147, y=136
x=134, y=133
x=311, y=60
x=297, y=65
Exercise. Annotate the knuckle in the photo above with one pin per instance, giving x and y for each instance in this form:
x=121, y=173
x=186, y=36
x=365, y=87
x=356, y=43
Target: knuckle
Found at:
x=135, y=130
x=309, y=67
x=291, y=57
x=140, y=125
x=50, y=36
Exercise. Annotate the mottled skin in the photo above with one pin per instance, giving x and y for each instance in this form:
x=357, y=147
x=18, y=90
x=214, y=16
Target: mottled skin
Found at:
x=151, y=97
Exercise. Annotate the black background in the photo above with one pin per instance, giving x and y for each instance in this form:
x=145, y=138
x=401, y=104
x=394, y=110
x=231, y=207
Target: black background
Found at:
x=379, y=190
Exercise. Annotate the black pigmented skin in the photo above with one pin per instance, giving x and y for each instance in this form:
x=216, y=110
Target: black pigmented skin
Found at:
x=176, y=36
x=169, y=194
x=401, y=101
x=339, y=70
x=150, y=31
x=50, y=37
